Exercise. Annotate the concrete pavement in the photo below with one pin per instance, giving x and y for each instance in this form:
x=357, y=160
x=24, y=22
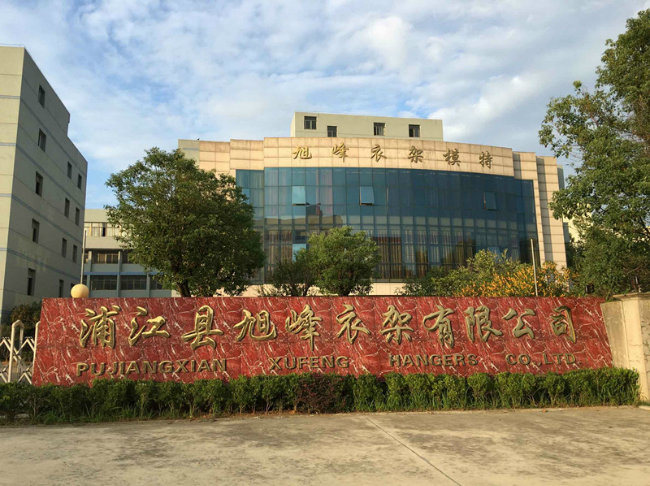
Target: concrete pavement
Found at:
x=568, y=446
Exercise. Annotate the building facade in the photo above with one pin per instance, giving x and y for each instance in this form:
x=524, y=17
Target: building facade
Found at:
x=107, y=269
x=425, y=201
x=43, y=179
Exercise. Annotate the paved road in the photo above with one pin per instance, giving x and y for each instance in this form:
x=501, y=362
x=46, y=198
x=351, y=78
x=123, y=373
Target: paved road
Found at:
x=576, y=446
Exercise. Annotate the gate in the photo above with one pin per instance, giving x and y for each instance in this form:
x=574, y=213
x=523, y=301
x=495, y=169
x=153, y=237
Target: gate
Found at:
x=20, y=352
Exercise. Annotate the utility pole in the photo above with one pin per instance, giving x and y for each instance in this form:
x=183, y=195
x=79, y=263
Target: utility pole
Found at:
x=83, y=258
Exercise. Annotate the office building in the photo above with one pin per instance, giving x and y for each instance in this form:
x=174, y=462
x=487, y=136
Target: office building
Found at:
x=107, y=269
x=43, y=179
x=425, y=201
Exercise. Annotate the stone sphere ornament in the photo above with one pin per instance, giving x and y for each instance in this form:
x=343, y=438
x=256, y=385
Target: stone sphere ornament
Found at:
x=79, y=291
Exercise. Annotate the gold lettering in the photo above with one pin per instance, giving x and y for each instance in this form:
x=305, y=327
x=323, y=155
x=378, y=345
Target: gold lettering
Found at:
x=148, y=367
x=304, y=322
x=132, y=368
x=81, y=368
x=327, y=362
x=472, y=360
x=202, y=329
x=220, y=364
x=166, y=367
x=274, y=364
x=397, y=324
x=342, y=361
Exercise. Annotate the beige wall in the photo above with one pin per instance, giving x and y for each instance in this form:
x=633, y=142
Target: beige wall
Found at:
x=351, y=126
x=627, y=320
x=21, y=118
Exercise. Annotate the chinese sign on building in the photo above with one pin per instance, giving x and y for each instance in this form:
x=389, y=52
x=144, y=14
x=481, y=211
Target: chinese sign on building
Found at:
x=224, y=337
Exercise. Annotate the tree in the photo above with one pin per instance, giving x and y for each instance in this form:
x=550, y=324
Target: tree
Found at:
x=343, y=261
x=293, y=277
x=193, y=227
x=608, y=131
x=489, y=275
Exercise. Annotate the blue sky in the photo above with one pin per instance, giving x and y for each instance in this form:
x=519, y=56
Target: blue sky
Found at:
x=137, y=74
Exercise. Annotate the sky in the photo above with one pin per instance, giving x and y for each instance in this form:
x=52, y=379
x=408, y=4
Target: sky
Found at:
x=139, y=74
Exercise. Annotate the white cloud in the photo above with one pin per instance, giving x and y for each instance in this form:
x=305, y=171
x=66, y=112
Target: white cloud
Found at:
x=138, y=74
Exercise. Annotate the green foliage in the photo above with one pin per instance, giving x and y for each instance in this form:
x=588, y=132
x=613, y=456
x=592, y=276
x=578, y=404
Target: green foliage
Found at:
x=314, y=393
x=293, y=277
x=29, y=314
x=194, y=228
x=608, y=132
x=489, y=274
x=342, y=261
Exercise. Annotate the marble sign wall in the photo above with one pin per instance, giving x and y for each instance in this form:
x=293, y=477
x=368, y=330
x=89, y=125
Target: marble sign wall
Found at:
x=223, y=337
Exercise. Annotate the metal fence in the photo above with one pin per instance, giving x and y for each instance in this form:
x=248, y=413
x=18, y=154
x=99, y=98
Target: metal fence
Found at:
x=20, y=353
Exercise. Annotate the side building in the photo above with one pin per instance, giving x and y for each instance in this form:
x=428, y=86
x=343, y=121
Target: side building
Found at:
x=43, y=187
x=107, y=269
x=425, y=201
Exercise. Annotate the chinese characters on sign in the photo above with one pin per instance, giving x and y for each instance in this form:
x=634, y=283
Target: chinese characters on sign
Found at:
x=376, y=153
x=341, y=151
x=99, y=328
x=415, y=155
x=485, y=159
x=302, y=152
x=452, y=157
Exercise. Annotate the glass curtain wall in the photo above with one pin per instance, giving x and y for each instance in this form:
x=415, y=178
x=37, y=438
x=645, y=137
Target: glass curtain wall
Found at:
x=419, y=218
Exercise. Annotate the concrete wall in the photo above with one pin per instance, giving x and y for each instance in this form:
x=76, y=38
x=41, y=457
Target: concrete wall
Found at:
x=363, y=126
x=22, y=116
x=627, y=320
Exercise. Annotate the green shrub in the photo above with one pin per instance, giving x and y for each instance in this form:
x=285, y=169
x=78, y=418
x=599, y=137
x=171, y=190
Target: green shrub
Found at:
x=314, y=393
x=368, y=393
x=419, y=392
x=482, y=386
x=397, y=392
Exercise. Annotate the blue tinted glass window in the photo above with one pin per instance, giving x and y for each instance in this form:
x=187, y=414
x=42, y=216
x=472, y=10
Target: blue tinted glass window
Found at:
x=489, y=201
x=298, y=196
x=366, y=195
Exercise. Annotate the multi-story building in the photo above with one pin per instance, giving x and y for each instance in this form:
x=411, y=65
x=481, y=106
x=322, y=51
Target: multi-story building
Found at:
x=43, y=179
x=425, y=201
x=107, y=269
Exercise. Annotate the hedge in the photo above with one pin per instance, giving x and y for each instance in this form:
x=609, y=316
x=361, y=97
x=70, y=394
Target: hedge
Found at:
x=314, y=393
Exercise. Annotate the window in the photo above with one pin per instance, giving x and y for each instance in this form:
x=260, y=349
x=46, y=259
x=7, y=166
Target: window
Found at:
x=60, y=288
x=414, y=131
x=66, y=208
x=310, y=123
x=41, y=96
x=35, y=227
x=379, y=129
x=366, y=196
x=64, y=247
x=79, y=179
x=331, y=131
x=74, y=253
x=489, y=201
x=101, y=230
x=69, y=170
x=126, y=257
x=42, y=138
x=77, y=216
x=105, y=256
x=38, y=188
x=298, y=196
x=86, y=256
x=31, y=281
x=133, y=282
x=103, y=282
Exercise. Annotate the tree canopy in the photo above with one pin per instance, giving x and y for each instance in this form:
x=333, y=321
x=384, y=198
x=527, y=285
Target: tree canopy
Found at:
x=193, y=227
x=607, y=130
x=343, y=262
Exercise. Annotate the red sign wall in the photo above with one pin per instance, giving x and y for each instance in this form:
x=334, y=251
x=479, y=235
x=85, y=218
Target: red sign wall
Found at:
x=223, y=337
